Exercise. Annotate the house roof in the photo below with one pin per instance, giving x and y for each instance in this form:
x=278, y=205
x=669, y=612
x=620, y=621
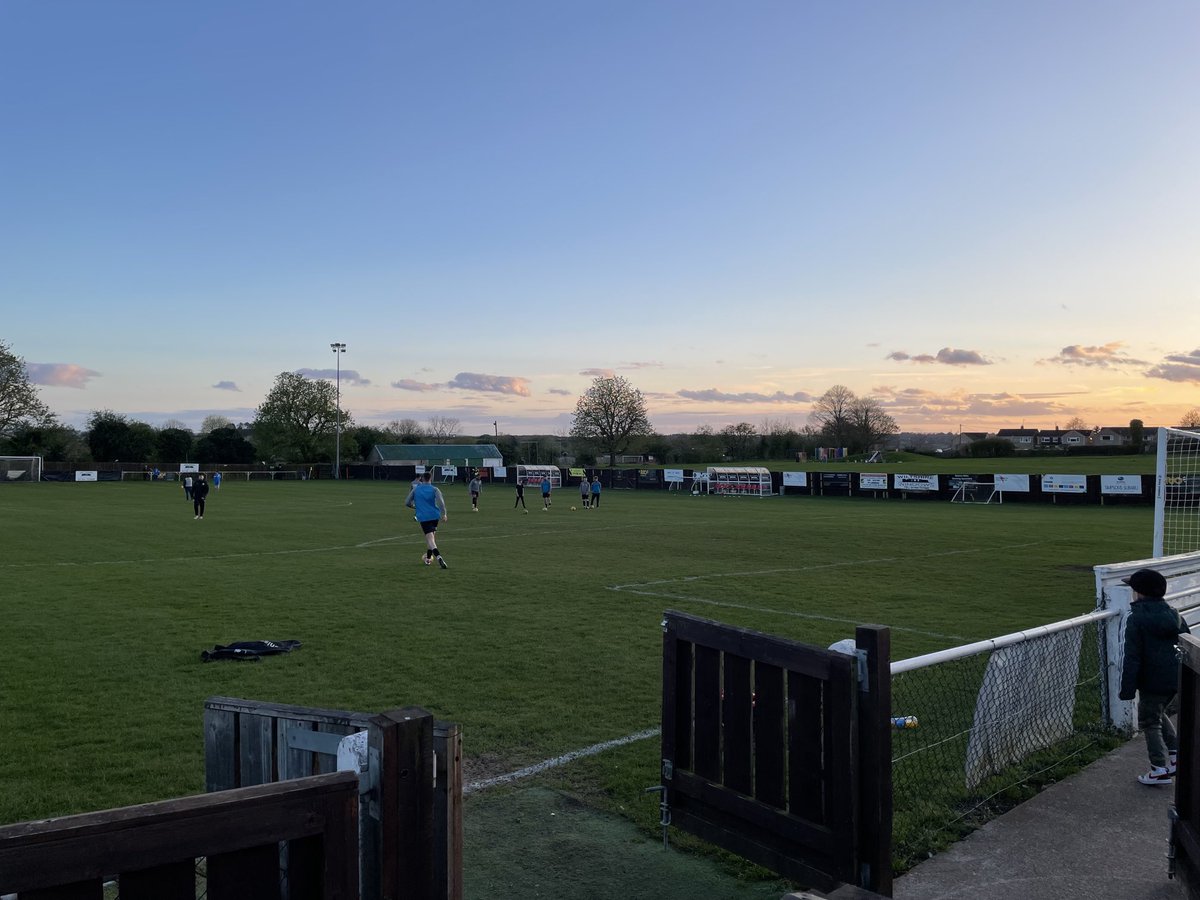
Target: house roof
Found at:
x=436, y=453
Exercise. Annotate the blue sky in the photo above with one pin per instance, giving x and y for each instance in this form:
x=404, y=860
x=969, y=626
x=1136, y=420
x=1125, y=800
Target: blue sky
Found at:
x=982, y=214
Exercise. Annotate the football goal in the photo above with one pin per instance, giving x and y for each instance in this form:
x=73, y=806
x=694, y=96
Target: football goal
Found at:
x=1177, y=492
x=20, y=468
x=976, y=492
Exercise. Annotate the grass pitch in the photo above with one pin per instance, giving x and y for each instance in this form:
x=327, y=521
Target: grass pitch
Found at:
x=543, y=636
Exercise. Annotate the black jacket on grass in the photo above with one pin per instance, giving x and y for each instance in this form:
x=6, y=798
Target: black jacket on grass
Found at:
x=1151, y=662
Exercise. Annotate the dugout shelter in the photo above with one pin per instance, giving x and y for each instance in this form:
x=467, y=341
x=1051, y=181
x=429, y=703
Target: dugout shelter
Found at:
x=533, y=475
x=739, y=481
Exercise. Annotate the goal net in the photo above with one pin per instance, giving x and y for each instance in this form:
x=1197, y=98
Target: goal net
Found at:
x=1177, y=493
x=976, y=492
x=20, y=468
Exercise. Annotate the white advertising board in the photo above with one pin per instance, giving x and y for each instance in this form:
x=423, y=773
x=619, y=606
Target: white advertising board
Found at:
x=673, y=475
x=1064, y=484
x=915, y=482
x=872, y=481
x=450, y=470
x=1015, y=483
x=189, y=467
x=87, y=476
x=1120, y=484
x=795, y=479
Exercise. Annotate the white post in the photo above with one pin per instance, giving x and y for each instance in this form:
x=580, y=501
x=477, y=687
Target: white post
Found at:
x=338, y=349
x=1160, y=494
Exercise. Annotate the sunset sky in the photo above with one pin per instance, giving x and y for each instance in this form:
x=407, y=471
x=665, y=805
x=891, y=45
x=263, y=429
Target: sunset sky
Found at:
x=983, y=214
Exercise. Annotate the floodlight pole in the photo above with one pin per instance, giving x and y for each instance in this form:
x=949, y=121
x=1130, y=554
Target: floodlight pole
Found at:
x=338, y=349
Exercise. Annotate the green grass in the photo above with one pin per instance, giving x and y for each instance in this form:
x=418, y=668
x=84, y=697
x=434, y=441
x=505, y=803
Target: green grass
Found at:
x=543, y=637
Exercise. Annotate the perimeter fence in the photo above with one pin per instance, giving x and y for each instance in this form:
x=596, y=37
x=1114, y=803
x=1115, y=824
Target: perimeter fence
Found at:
x=982, y=727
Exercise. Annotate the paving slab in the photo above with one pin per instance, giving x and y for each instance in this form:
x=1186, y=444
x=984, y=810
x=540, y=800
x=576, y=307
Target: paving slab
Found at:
x=1097, y=835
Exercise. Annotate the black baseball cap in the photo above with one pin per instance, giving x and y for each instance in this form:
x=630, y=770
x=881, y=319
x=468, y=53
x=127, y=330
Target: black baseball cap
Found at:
x=1147, y=582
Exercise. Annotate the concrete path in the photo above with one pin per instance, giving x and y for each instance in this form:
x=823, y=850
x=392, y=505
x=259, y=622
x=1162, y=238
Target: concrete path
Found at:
x=1098, y=835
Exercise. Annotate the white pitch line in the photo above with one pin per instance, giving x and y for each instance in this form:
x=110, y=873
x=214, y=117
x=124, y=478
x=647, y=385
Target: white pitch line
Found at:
x=817, y=566
x=638, y=588
x=559, y=761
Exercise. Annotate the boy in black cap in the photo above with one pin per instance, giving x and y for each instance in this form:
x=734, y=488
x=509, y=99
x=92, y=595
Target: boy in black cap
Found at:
x=1151, y=670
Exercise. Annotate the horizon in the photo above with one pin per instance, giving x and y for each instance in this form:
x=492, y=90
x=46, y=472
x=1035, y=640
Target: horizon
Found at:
x=982, y=216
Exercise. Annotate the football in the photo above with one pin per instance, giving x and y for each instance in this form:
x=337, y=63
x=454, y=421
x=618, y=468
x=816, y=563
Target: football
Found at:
x=572, y=509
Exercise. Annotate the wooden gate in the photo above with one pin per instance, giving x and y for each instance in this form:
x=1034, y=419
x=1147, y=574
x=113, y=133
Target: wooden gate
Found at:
x=780, y=751
x=411, y=807
x=1185, y=815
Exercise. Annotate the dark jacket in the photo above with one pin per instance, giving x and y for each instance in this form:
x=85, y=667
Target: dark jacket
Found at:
x=1151, y=662
x=200, y=489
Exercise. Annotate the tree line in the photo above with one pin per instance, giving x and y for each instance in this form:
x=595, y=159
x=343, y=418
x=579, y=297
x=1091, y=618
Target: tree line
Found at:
x=299, y=422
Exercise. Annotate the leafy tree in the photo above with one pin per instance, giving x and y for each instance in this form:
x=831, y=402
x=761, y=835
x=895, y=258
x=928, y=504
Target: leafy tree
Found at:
x=442, y=429
x=19, y=401
x=740, y=440
x=1191, y=418
x=610, y=413
x=297, y=422
x=1137, y=434
x=779, y=438
x=362, y=440
x=174, y=444
x=112, y=437
x=53, y=442
x=224, y=445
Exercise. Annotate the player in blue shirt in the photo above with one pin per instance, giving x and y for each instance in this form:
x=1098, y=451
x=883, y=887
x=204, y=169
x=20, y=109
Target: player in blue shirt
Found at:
x=430, y=508
x=546, y=492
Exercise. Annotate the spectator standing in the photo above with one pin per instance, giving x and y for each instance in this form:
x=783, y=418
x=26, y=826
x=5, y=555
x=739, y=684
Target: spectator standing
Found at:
x=1150, y=669
x=199, y=494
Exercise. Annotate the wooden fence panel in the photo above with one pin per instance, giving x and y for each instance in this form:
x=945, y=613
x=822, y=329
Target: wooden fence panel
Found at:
x=255, y=741
x=153, y=846
x=763, y=749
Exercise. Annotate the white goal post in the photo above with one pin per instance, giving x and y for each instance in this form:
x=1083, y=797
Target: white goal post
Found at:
x=20, y=468
x=976, y=492
x=1177, y=493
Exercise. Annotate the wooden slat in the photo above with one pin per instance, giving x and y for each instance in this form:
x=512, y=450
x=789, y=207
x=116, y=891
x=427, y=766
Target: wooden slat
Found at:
x=769, y=748
x=220, y=749
x=291, y=762
x=744, y=642
x=736, y=710
x=171, y=881
x=305, y=868
x=252, y=872
x=875, y=749
x=841, y=762
x=37, y=855
x=695, y=793
x=682, y=725
x=706, y=751
x=806, y=747
x=256, y=764
x=448, y=811
x=403, y=739
x=84, y=890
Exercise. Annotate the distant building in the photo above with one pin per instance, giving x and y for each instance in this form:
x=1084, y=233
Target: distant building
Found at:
x=479, y=455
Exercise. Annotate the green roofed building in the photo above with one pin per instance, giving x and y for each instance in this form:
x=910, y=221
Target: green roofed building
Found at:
x=477, y=455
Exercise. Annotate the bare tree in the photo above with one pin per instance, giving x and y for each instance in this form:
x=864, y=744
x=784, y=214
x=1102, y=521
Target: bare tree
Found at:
x=1076, y=423
x=870, y=424
x=212, y=423
x=741, y=440
x=1191, y=418
x=440, y=429
x=831, y=413
x=406, y=431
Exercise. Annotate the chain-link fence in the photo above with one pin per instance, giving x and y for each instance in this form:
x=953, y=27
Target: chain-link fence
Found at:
x=987, y=729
